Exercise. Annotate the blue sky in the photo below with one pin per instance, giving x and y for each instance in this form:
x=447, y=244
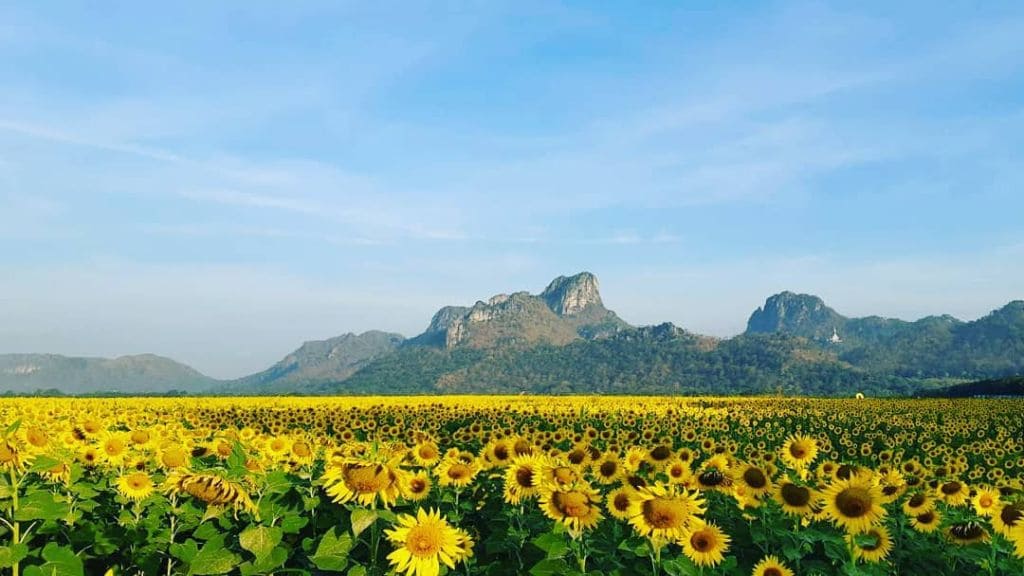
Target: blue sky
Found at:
x=218, y=182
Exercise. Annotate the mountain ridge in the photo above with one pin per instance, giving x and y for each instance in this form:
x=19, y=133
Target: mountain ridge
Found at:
x=564, y=339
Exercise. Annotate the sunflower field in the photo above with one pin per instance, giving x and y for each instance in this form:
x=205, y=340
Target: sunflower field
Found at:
x=423, y=486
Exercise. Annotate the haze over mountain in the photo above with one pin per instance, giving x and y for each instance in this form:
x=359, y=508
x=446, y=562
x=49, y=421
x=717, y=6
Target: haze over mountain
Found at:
x=564, y=340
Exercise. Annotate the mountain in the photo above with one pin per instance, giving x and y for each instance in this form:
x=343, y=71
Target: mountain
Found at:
x=1009, y=386
x=317, y=361
x=144, y=373
x=568, y=309
x=932, y=347
x=564, y=340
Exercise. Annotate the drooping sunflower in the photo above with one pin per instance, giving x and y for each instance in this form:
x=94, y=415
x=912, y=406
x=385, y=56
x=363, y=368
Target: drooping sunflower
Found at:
x=771, y=566
x=799, y=451
x=926, y=522
x=135, y=486
x=854, y=504
x=209, y=488
x=795, y=499
x=705, y=544
x=964, y=533
x=425, y=541
x=870, y=546
x=662, y=512
x=576, y=506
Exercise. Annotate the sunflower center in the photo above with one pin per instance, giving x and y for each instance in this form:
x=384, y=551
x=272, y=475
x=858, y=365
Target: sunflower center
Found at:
x=916, y=500
x=621, y=502
x=797, y=451
x=458, y=471
x=755, y=478
x=138, y=481
x=796, y=495
x=663, y=513
x=701, y=541
x=417, y=485
x=950, y=488
x=501, y=452
x=577, y=456
x=302, y=450
x=427, y=452
x=967, y=531
x=853, y=502
x=661, y=453
x=423, y=541
x=608, y=468
x=926, y=518
x=773, y=571
x=524, y=477
x=1011, y=514
x=573, y=504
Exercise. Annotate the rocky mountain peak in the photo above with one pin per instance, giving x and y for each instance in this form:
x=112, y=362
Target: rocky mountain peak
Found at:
x=571, y=295
x=799, y=314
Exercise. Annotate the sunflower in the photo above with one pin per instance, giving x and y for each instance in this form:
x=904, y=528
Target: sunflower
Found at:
x=770, y=566
x=799, y=451
x=754, y=479
x=173, y=457
x=953, y=492
x=1017, y=537
x=11, y=457
x=870, y=546
x=210, y=489
x=854, y=504
x=986, y=501
x=795, y=499
x=619, y=501
x=704, y=544
x=1007, y=516
x=135, y=486
x=455, y=471
x=679, y=472
x=662, y=512
x=964, y=533
x=365, y=479
x=425, y=541
x=417, y=486
x=918, y=503
x=521, y=479
x=576, y=506
x=607, y=469
x=926, y=522
x=114, y=449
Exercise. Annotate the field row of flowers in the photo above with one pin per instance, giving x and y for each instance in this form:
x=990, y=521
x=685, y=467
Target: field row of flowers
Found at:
x=511, y=485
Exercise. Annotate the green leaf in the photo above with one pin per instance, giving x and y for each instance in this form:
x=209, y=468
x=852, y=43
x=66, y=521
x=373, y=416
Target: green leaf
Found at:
x=265, y=564
x=357, y=571
x=185, y=552
x=236, y=461
x=550, y=567
x=213, y=558
x=60, y=561
x=553, y=545
x=205, y=531
x=293, y=523
x=260, y=540
x=361, y=520
x=43, y=463
x=680, y=566
x=41, y=505
x=332, y=551
x=11, y=554
x=13, y=427
x=277, y=482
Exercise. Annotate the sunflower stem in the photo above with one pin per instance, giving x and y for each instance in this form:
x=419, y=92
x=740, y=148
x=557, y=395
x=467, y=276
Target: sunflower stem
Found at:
x=16, y=527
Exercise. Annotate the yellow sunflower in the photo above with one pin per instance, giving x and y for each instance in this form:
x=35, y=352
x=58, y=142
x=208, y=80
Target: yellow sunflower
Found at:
x=576, y=506
x=795, y=499
x=417, y=486
x=521, y=479
x=799, y=451
x=854, y=504
x=705, y=544
x=424, y=542
x=456, y=472
x=771, y=566
x=918, y=503
x=135, y=486
x=926, y=522
x=662, y=512
x=618, y=502
x=1008, y=515
x=986, y=501
x=953, y=492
